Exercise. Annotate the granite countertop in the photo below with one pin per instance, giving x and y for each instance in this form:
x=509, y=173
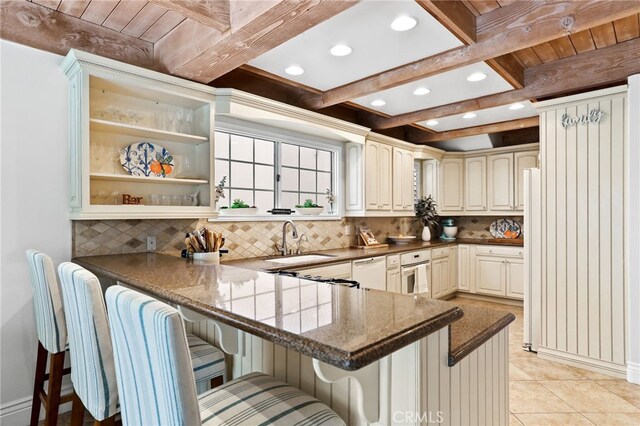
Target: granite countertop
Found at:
x=345, y=327
x=348, y=254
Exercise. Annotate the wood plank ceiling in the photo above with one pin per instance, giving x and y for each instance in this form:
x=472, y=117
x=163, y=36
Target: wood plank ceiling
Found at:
x=211, y=41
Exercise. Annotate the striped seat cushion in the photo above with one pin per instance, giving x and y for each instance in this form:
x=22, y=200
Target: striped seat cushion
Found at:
x=258, y=399
x=207, y=360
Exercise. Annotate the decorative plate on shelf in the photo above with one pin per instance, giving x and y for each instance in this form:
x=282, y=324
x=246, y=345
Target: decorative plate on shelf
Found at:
x=146, y=159
x=401, y=239
x=505, y=228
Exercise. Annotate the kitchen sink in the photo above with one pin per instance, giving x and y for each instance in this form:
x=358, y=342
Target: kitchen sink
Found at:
x=306, y=258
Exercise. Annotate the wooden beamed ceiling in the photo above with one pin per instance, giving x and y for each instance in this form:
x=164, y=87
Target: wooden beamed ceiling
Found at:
x=543, y=48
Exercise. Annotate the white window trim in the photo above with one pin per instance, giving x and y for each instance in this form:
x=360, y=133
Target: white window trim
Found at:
x=259, y=131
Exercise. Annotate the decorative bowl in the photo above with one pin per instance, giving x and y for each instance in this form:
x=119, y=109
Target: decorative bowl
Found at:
x=401, y=239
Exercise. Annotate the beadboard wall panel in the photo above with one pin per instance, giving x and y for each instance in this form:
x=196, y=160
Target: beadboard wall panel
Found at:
x=474, y=391
x=583, y=206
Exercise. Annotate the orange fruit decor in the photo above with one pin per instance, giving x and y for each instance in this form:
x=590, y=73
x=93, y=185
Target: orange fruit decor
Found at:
x=159, y=168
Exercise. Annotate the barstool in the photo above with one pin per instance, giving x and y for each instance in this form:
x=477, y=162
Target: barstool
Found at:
x=155, y=379
x=52, y=338
x=93, y=373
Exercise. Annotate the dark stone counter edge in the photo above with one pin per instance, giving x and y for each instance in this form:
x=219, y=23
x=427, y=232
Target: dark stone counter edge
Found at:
x=349, y=361
x=458, y=354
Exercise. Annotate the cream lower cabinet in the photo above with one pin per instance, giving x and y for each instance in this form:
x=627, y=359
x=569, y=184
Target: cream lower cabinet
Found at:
x=339, y=270
x=499, y=271
x=394, y=279
x=464, y=267
x=443, y=271
x=378, y=176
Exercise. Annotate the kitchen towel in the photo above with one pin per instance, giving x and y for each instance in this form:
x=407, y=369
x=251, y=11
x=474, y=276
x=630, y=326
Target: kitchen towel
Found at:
x=422, y=279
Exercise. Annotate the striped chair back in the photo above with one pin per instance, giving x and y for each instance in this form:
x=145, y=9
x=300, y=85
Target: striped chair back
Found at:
x=153, y=366
x=92, y=370
x=47, y=302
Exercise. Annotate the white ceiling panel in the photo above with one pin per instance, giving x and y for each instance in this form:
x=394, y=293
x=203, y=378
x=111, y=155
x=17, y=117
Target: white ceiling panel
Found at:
x=365, y=28
x=483, y=116
x=445, y=88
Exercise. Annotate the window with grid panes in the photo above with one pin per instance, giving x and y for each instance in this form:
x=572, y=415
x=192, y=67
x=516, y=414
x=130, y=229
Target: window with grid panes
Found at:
x=270, y=173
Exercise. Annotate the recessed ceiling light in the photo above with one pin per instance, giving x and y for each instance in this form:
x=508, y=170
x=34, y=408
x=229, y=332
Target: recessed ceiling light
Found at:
x=421, y=91
x=432, y=123
x=378, y=102
x=403, y=23
x=516, y=106
x=340, y=50
x=294, y=70
x=477, y=76
x=469, y=115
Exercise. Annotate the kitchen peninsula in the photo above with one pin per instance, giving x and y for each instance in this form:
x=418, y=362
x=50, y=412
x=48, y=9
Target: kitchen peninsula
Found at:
x=372, y=355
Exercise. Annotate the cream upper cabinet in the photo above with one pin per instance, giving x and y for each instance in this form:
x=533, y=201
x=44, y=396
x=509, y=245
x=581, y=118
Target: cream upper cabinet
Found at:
x=500, y=180
x=522, y=161
x=402, y=180
x=475, y=188
x=430, y=179
x=451, y=194
x=378, y=176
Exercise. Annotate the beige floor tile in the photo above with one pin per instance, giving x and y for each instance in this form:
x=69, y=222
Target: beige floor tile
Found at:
x=614, y=419
x=592, y=374
x=513, y=421
x=625, y=390
x=532, y=397
x=552, y=419
x=540, y=369
x=588, y=396
x=516, y=374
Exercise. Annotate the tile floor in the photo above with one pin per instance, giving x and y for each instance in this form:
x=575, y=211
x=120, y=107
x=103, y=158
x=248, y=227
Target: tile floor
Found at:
x=548, y=393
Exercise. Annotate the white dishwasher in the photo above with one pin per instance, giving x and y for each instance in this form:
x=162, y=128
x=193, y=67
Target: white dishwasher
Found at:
x=370, y=272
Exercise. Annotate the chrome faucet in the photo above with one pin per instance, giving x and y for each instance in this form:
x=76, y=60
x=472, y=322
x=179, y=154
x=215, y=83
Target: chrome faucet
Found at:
x=283, y=249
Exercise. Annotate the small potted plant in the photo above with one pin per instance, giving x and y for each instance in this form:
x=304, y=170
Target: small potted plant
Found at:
x=239, y=208
x=426, y=211
x=309, y=208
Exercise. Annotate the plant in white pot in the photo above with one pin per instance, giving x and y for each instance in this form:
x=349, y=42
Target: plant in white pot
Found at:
x=239, y=208
x=309, y=208
x=426, y=211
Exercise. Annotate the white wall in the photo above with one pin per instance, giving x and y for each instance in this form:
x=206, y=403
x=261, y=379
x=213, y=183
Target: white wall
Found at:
x=34, y=191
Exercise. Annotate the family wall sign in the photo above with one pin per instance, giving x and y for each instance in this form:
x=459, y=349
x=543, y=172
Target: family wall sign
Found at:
x=593, y=116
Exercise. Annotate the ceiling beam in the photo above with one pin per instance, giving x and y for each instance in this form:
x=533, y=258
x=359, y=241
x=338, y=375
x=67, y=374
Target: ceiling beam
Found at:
x=45, y=29
x=256, y=27
x=478, y=130
x=504, y=30
x=596, y=68
x=212, y=13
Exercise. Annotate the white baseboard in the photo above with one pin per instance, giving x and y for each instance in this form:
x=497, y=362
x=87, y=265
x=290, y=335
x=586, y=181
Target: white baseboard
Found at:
x=18, y=412
x=633, y=372
x=492, y=299
x=599, y=366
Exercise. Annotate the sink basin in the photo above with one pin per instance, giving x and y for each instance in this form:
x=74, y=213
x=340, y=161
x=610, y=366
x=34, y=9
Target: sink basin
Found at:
x=306, y=258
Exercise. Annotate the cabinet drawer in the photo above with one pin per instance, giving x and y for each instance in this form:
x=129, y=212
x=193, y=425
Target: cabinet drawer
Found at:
x=440, y=252
x=500, y=251
x=393, y=261
x=415, y=257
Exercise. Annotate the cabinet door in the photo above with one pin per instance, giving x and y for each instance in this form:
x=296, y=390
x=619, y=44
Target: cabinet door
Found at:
x=515, y=278
x=475, y=188
x=372, y=161
x=444, y=276
x=523, y=161
x=490, y=275
x=384, y=176
x=394, y=281
x=453, y=269
x=436, y=278
x=464, y=282
x=501, y=182
x=407, y=182
x=430, y=179
x=451, y=185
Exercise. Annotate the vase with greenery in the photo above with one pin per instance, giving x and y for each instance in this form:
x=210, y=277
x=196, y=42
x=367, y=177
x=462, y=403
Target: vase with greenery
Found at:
x=426, y=211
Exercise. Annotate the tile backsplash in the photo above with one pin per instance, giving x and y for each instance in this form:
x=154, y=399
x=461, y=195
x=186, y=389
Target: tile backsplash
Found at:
x=247, y=239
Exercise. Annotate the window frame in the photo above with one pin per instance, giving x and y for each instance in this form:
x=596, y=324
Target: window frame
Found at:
x=280, y=136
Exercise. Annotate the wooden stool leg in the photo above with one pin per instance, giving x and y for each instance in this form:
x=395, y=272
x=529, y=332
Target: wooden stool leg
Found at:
x=216, y=381
x=38, y=383
x=77, y=411
x=110, y=421
x=56, y=368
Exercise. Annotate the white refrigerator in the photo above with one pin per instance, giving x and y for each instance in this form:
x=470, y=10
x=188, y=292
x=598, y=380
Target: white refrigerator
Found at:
x=532, y=260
